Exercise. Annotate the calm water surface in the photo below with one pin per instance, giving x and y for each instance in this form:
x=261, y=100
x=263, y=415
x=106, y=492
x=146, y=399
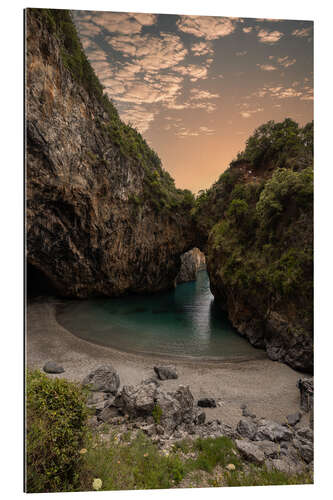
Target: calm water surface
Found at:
x=180, y=322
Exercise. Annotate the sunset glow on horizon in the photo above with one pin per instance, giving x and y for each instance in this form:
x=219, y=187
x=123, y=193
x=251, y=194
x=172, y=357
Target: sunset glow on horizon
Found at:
x=196, y=87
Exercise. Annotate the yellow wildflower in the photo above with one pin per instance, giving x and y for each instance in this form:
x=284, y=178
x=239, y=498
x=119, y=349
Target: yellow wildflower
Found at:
x=230, y=467
x=97, y=484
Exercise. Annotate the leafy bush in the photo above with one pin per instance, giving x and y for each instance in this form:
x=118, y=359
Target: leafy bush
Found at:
x=283, y=144
x=285, y=186
x=55, y=431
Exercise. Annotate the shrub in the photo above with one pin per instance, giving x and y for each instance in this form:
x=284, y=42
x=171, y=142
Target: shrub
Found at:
x=56, y=417
x=157, y=414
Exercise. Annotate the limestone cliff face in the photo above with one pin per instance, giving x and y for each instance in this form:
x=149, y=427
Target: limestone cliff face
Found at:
x=191, y=262
x=102, y=217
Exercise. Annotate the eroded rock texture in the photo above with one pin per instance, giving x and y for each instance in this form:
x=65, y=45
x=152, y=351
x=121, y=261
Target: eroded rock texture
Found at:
x=103, y=217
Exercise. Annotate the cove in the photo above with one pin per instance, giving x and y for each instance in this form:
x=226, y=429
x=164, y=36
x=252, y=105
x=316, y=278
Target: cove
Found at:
x=184, y=322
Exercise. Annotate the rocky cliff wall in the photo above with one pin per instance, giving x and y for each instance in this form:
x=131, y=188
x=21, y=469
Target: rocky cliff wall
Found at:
x=191, y=262
x=102, y=216
x=256, y=228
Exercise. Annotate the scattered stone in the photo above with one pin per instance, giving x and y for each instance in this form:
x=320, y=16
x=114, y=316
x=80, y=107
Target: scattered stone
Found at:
x=104, y=379
x=246, y=428
x=294, y=418
x=305, y=386
x=250, y=451
x=165, y=372
x=107, y=414
x=269, y=430
x=200, y=418
x=305, y=450
x=53, y=367
x=207, y=403
x=305, y=434
x=270, y=449
x=281, y=465
x=151, y=380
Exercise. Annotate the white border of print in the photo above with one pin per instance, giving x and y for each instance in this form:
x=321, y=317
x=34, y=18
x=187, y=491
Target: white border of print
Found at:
x=11, y=199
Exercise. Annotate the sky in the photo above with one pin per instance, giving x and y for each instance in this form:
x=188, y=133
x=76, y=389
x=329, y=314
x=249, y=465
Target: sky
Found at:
x=196, y=87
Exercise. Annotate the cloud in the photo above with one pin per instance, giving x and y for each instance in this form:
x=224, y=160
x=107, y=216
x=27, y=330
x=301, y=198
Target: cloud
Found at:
x=124, y=23
x=144, y=19
x=302, y=32
x=279, y=92
x=152, y=52
x=266, y=67
x=138, y=117
x=206, y=27
x=269, y=36
x=242, y=53
x=286, y=61
x=203, y=130
x=249, y=112
x=198, y=94
x=194, y=72
x=202, y=48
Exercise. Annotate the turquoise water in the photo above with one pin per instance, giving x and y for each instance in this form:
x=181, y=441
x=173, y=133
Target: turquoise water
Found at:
x=181, y=322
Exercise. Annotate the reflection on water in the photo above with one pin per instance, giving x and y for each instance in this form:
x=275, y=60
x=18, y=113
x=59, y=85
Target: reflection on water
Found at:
x=180, y=322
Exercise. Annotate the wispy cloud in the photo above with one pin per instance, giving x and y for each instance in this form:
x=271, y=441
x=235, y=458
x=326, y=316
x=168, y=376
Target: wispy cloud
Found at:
x=203, y=130
x=209, y=28
x=269, y=36
x=286, y=61
x=266, y=67
x=198, y=94
x=302, y=32
x=193, y=71
x=202, y=48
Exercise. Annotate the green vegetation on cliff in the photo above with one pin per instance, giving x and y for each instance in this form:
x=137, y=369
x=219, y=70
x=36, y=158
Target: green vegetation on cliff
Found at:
x=257, y=225
x=160, y=190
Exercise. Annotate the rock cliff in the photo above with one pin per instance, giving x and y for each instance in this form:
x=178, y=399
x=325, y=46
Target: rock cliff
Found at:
x=191, y=262
x=102, y=216
x=256, y=228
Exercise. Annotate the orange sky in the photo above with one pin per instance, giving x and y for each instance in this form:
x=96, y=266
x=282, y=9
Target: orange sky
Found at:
x=195, y=86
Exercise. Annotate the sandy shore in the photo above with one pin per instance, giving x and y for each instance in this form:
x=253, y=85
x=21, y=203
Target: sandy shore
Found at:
x=267, y=387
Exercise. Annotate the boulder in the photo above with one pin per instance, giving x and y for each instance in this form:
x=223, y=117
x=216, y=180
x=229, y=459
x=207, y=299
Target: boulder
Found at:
x=169, y=409
x=284, y=465
x=207, y=403
x=269, y=430
x=107, y=414
x=305, y=449
x=305, y=386
x=270, y=449
x=294, y=418
x=247, y=428
x=250, y=451
x=165, y=372
x=199, y=418
x=137, y=400
x=53, y=367
x=103, y=379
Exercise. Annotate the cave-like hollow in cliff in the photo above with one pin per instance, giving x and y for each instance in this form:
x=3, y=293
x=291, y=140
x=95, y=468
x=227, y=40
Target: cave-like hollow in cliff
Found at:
x=37, y=283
